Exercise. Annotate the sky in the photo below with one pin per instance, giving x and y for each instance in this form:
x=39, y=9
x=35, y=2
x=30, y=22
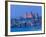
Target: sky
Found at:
x=19, y=10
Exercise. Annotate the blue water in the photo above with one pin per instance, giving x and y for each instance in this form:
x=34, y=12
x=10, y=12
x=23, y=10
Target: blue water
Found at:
x=27, y=28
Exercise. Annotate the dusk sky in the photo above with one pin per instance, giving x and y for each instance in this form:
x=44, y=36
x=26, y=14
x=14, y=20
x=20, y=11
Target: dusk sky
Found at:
x=19, y=10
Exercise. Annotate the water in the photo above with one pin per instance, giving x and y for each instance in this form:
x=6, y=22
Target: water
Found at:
x=27, y=28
